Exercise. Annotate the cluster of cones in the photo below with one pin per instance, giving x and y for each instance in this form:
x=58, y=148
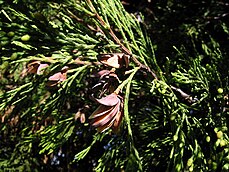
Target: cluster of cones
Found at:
x=109, y=114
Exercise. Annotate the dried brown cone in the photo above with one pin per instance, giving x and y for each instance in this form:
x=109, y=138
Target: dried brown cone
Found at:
x=58, y=77
x=108, y=80
x=116, y=60
x=36, y=67
x=109, y=114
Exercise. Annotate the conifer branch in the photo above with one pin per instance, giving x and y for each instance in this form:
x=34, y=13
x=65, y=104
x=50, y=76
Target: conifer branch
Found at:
x=128, y=52
x=117, y=40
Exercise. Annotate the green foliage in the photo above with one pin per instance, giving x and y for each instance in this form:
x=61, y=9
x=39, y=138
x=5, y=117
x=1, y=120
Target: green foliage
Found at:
x=175, y=104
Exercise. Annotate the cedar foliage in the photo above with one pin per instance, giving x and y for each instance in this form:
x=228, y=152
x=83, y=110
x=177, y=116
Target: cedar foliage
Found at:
x=174, y=123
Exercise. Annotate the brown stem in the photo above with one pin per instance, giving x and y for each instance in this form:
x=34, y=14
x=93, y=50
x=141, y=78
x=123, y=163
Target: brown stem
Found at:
x=184, y=95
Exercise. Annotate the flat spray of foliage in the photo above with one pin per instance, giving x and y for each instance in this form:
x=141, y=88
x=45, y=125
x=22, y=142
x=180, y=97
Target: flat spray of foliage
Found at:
x=175, y=114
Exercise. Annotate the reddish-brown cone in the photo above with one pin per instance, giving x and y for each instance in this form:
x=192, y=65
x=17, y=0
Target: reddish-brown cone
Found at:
x=109, y=114
x=57, y=77
x=116, y=60
x=108, y=80
x=36, y=67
